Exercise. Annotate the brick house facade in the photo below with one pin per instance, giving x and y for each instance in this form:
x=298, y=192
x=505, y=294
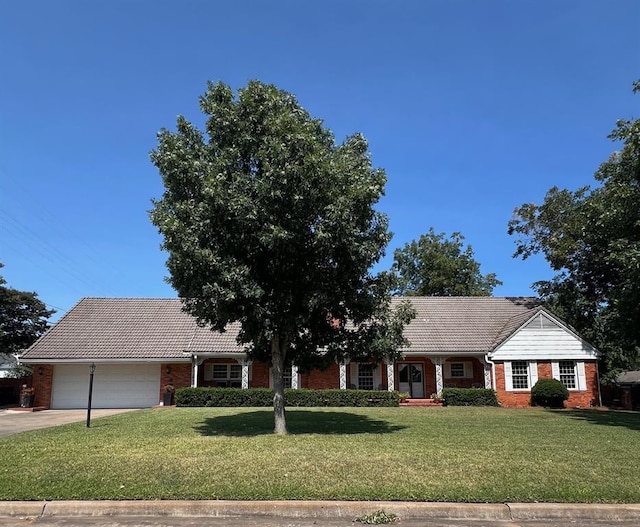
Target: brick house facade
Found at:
x=141, y=345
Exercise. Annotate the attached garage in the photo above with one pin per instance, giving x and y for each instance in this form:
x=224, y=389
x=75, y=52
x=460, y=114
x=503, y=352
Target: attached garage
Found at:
x=131, y=385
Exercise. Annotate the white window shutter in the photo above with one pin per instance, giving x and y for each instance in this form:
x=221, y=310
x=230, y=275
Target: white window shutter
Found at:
x=508, y=380
x=468, y=370
x=533, y=373
x=582, y=376
x=447, y=370
x=555, y=370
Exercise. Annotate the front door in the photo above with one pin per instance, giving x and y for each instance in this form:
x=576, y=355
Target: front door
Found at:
x=411, y=379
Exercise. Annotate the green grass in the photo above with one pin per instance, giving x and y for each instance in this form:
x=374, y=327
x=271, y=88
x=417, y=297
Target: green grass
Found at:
x=437, y=454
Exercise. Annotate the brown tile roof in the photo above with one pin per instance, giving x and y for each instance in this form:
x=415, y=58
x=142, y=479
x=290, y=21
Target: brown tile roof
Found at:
x=157, y=328
x=127, y=328
x=465, y=324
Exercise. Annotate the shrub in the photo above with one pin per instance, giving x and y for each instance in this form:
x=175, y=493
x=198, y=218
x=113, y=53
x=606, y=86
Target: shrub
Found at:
x=264, y=397
x=223, y=397
x=341, y=398
x=469, y=397
x=550, y=393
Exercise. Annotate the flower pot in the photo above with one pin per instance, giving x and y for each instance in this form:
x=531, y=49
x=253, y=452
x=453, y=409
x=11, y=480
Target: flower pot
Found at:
x=167, y=398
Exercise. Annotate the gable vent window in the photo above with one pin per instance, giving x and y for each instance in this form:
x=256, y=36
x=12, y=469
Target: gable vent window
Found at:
x=541, y=322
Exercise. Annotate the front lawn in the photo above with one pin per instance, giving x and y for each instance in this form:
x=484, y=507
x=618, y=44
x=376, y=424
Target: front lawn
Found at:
x=435, y=454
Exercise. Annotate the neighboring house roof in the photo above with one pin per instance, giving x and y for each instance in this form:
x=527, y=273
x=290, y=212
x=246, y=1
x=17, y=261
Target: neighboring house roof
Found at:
x=629, y=377
x=157, y=328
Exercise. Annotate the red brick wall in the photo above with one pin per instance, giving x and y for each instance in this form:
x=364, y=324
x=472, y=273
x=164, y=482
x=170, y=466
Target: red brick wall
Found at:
x=429, y=378
x=383, y=376
x=511, y=399
x=517, y=399
x=322, y=379
x=259, y=375
x=590, y=396
x=179, y=375
x=43, y=384
x=544, y=370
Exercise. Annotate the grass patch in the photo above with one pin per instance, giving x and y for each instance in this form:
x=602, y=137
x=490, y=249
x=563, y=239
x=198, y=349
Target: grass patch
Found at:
x=378, y=518
x=461, y=454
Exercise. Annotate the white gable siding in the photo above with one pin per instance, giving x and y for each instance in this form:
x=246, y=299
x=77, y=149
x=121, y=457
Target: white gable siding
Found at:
x=543, y=341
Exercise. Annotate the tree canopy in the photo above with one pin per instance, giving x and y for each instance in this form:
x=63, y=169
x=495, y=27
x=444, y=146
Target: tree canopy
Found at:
x=267, y=221
x=591, y=237
x=23, y=318
x=436, y=266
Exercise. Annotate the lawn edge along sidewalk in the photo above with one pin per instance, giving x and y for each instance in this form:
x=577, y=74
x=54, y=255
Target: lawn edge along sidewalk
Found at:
x=322, y=509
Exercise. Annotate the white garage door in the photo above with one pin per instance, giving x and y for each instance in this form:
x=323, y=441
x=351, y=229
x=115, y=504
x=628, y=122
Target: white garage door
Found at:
x=114, y=386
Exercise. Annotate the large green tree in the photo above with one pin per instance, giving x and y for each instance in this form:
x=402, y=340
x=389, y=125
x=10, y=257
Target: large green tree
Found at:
x=23, y=318
x=267, y=221
x=591, y=237
x=436, y=266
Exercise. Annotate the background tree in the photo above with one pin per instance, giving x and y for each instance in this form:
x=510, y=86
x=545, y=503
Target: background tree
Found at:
x=270, y=223
x=436, y=266
x=23, y=318
x=591, y=237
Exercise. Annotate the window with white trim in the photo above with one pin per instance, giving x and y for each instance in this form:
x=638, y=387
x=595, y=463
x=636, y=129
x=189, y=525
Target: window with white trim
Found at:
x=365, y=376
x=520, y=375
x=457, y=369
x=571, y=373
x=567, y=372
x=224, y=374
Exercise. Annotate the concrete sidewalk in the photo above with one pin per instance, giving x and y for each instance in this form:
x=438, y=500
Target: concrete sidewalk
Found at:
x=325, y=510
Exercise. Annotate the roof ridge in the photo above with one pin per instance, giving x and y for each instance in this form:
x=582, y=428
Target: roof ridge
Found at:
x=128, y=298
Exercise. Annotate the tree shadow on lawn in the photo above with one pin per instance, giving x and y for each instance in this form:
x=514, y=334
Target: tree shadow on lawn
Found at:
x=630, y=420
x=298, y=422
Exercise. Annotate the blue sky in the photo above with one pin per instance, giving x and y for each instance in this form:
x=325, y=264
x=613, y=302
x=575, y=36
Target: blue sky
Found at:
x=472, y=108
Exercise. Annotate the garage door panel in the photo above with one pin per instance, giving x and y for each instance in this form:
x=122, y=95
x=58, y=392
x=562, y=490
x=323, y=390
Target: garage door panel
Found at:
x=114, y=385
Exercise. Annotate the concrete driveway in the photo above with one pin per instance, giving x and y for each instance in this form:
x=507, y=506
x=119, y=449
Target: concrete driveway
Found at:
x=13, y=422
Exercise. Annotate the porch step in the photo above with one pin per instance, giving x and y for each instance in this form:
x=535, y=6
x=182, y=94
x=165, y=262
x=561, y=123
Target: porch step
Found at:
x=421, y=402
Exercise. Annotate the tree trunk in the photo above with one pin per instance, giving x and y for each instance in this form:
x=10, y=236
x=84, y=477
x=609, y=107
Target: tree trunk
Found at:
x=278, y=356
